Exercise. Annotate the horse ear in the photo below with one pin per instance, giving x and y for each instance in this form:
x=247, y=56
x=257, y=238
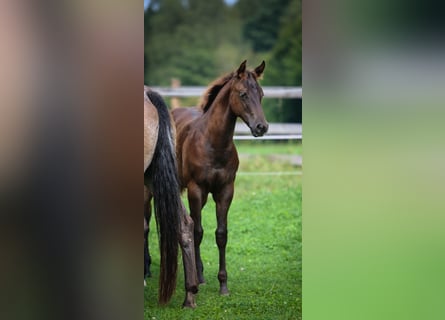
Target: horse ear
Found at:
x=241, y=69
x=259, y=70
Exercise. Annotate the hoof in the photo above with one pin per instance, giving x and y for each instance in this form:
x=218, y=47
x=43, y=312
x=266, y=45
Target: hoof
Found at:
x=189, y=301
x=224, y=292
x=189, y=305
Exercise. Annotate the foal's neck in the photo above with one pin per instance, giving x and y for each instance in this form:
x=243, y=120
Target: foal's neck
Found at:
x=220, y=119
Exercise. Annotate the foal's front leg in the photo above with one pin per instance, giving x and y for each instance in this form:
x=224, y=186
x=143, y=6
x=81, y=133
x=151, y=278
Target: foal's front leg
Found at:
x=223, y=199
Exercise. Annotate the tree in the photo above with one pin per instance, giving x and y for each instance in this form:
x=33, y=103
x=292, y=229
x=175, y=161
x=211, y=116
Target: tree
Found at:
x=262, y=21
x=285, y=61
x=181, y=41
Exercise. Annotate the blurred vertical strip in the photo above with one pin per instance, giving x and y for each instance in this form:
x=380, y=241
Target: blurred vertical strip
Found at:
x=373, y=186
x=70, y=145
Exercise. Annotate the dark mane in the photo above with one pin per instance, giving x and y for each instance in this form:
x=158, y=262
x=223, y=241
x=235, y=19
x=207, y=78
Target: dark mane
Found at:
x=212, y=91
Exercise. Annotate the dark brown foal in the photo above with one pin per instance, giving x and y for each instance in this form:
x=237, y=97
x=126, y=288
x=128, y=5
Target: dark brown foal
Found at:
x=207, y=157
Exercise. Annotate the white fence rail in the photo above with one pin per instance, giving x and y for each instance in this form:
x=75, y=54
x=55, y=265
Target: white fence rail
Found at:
x=189, y=91
x=277, y=131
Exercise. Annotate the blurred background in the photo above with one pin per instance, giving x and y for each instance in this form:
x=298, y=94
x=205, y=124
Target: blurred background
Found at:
x=374, y=74
x=194, y=42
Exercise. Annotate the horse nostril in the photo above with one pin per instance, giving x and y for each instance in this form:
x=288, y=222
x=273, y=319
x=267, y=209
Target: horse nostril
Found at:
x=261, y=127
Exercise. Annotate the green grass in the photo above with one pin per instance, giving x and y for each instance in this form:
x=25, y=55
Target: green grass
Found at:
x=263, y=147
x=267, y=156
x=263, y=249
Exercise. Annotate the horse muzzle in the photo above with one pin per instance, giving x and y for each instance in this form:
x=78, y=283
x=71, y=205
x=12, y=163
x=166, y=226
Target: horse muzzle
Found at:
x=259, y=129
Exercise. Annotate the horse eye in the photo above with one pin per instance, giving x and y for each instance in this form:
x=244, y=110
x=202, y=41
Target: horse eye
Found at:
x=243, y=94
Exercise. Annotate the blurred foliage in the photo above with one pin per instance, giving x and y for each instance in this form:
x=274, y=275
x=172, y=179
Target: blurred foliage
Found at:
x=284, y=66
x=262, y=21
x=196, y=41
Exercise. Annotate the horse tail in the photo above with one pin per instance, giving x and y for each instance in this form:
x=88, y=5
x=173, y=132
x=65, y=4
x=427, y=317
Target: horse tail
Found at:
x=163, y=175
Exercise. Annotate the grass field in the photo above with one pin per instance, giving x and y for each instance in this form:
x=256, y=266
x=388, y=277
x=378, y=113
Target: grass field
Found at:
x=263, y=249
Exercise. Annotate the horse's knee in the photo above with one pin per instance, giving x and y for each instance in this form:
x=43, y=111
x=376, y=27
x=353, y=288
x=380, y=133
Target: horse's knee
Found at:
x=187, y=231
x=221, y=233
x=188, y=223
x=221, y=236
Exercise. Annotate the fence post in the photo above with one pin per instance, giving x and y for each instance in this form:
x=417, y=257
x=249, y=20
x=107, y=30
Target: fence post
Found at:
x=175, y=83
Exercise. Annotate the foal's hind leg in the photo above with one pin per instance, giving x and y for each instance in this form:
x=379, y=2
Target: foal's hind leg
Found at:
x=197, y=199
x=223, y=199
x=188, y=259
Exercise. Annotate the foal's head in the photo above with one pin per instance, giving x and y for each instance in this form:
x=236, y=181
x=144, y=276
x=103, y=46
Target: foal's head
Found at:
x=245, y=98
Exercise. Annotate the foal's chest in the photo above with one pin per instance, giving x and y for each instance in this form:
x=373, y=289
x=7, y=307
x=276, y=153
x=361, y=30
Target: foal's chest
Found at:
x=219, y=172
x=216, y=178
